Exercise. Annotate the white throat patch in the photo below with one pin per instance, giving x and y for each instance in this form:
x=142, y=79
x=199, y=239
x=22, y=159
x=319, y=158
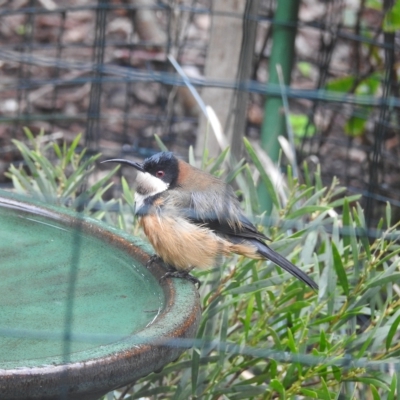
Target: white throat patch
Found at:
x=148, y=186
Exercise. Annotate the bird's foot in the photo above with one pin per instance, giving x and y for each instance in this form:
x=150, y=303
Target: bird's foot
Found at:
x=182, y=275
x=154, y=258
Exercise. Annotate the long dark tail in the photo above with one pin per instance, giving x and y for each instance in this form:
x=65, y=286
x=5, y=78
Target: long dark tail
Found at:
x=275, y=257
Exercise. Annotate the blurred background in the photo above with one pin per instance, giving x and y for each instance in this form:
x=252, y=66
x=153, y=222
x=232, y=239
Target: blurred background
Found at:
x=323, y=74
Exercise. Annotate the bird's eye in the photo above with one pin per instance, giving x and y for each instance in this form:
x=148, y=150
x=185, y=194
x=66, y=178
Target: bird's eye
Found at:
x=160, y=174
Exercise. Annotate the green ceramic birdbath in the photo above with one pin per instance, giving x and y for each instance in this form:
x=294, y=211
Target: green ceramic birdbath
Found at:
x=80, y=313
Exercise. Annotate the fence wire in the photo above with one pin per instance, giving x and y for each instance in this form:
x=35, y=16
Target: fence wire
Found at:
x=101, y=68
x=97, y=68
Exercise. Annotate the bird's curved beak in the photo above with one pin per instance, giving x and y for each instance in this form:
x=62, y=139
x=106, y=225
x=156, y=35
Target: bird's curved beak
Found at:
x=133, y=164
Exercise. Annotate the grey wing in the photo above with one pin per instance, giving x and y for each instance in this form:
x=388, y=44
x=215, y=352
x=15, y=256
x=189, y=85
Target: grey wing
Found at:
x=223, y=215
x=218, y=209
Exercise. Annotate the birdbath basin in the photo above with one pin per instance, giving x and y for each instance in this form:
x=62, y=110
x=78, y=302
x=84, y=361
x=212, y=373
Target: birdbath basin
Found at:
x=80, y=313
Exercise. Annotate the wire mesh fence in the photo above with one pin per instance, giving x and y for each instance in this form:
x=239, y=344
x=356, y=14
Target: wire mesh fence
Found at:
x=101, y=68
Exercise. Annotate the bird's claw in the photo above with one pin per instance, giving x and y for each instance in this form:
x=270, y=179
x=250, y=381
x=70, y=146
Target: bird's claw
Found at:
x=172, y=272
x=181, y=275
x=154, y=258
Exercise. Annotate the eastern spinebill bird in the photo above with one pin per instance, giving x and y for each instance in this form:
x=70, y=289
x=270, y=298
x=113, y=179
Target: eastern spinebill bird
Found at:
x=191, y=218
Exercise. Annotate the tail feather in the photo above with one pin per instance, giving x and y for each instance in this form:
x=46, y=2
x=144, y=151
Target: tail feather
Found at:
x=281, y=261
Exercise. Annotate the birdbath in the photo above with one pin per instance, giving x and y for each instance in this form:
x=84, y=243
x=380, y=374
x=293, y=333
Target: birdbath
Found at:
x=80, y=312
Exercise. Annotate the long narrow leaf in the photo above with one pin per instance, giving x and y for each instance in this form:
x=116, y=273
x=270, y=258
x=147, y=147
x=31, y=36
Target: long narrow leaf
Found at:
x=160, y=143
x=264, y=176
x=340, y=271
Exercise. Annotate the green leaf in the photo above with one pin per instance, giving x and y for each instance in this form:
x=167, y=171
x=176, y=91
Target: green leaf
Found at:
x=324, y=391
x=291, y=181
x=305, y=68
x=343, y=84
x=393, y=387
x=276, y=385
x=126, y=190
x=294, y=200
x=340, y=271
x=306, y=210
x=251, y=190
x=391, y=22
x=264, y=176
x=71, y=149
x=28, y=133
x=48, y=170
x=25, y=152
x=308, y=393
x=236, y=392
x=292, y=308
x=315, y=198
x=374, y=392
x=254, y=286
x=337, y=373
x=302, y=126
x=78, y=176
x=374, y=4
x=121, y=222
x=347, y=221
x=392, y=332
x=288, y=296
x=323, y=344
x=355, y=125
x=277, y=344
x=291, y=342
x=223, y=335
x=307, y=175
x=219, y=161
x=370, y=381
x=21, y=183
x=17, y=185
x=393, y=278
x=360, y=222
x=160, y=143
x=309, y=247
x=235, y=171
x=165, y=390
x=57, y=150
x=195, y=368
x=204, y=159
x=388, y=214
x=97, y=196
x=339, y=202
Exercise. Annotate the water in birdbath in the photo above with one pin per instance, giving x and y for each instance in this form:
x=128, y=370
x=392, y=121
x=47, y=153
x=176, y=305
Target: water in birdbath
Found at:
x=63, y=292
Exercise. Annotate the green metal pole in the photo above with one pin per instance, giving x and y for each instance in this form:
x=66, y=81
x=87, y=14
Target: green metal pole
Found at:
x=282, y=53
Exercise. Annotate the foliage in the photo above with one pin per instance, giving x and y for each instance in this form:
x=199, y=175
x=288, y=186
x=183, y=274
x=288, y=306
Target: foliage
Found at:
x=301, y=126
x=391, y=22
x=59, y=174
x=264, y=335
x=368, y=82
x=356, y=124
